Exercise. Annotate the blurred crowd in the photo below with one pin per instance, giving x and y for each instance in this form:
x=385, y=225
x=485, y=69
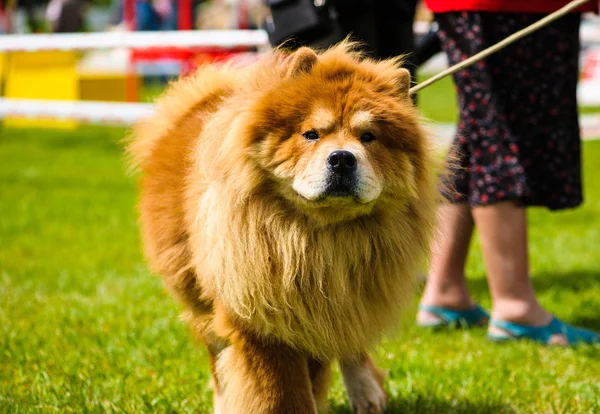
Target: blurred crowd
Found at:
x=72, y=15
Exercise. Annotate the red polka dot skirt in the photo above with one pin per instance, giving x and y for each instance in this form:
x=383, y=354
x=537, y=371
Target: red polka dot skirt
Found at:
x=518, y=133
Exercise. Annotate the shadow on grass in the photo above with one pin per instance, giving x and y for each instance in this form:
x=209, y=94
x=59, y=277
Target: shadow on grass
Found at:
x=567, y=282
x=574, y=281
x=427, y=404
x=586, y=322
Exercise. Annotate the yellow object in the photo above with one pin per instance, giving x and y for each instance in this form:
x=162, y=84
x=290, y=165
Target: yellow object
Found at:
x=42, y=75
x=102, y=87
x=2, y=69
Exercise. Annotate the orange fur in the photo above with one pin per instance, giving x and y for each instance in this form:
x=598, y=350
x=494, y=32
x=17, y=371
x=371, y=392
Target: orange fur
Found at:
x=229, y=218
x=320, y=377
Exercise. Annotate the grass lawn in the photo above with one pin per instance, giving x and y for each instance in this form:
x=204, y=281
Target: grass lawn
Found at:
x=84, y=327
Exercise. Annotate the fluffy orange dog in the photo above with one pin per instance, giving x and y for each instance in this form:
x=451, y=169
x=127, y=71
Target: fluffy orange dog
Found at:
x=288, y=205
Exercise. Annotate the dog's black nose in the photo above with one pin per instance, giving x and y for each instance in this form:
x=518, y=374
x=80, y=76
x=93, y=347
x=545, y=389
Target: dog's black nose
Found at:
x=342, y=162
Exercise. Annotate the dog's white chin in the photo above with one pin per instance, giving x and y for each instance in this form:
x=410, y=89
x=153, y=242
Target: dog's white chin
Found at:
x=309, y=191
x=364, y=195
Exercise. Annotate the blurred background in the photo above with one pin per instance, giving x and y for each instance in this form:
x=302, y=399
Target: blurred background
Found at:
x=79, y=68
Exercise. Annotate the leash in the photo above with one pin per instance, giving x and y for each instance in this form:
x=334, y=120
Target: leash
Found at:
x=500, y=45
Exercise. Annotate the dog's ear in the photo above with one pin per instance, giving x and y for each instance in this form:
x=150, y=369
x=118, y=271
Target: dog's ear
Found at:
x=403, y=82
x=302, y=61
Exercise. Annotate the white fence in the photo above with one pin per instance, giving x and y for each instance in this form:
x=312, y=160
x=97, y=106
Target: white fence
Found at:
x=126, y=113
x=108, y=40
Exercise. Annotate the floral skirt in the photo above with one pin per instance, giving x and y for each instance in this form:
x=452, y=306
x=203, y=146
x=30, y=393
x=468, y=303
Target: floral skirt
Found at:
x=518, y=135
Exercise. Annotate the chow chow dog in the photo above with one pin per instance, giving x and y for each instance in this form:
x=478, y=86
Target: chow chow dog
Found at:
x=288, y=205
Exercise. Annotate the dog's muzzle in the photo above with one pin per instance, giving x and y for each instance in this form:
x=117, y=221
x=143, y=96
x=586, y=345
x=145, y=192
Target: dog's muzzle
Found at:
x=342, y=179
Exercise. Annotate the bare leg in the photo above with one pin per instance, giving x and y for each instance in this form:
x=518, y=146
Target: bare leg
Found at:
x=503, y=233
x=364, y=384
x=446, y=285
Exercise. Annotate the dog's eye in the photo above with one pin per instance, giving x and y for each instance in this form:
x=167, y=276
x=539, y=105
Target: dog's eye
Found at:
x=367, y=137
x=311, y=135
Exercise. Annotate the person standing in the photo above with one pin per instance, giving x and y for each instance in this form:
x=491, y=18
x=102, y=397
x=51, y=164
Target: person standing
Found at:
x=517, y=145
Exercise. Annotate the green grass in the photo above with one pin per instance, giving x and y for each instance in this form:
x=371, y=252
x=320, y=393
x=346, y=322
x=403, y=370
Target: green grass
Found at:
x=438, y=102
x=84, y=327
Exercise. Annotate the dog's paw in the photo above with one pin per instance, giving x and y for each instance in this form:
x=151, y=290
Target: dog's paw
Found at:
x=364, y=388
x=370, y=402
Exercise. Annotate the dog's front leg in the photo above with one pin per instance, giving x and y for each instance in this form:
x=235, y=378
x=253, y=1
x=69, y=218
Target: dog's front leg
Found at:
x=256, y=378
x=364, y=384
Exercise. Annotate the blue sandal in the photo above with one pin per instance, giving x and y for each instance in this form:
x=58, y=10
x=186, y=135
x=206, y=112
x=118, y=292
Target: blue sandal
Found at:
x=542, y=334
x=475, y=316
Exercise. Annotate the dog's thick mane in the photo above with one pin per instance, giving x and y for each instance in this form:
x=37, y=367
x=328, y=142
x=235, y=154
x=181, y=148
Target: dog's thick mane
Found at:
x=222, y=233
x=329, y=290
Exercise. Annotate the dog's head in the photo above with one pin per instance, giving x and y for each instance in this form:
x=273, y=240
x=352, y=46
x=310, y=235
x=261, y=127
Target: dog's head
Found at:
x=338, y=134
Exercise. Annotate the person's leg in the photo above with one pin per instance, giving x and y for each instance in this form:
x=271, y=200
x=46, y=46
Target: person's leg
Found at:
x=503, y=233
x=446, y=285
